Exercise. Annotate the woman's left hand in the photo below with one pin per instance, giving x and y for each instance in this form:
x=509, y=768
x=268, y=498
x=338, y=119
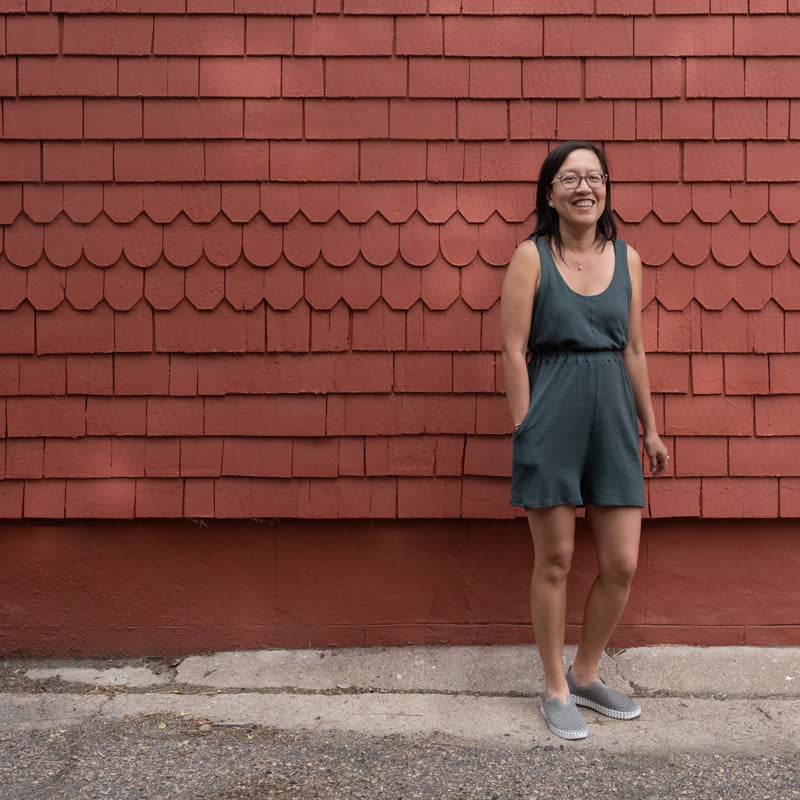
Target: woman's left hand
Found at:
x=657, y=453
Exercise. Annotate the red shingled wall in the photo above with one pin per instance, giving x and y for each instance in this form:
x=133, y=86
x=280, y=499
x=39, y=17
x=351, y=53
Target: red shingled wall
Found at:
x=252, y=249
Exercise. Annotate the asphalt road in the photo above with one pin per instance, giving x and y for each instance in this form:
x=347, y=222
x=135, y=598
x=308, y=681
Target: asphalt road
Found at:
x=167, y=758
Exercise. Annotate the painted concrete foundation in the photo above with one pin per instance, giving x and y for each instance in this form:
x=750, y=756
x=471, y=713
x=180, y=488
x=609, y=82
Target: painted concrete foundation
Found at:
x=171, y=587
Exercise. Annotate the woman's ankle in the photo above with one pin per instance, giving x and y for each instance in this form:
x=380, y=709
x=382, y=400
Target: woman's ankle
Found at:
x=561, y=692
x=582, y=674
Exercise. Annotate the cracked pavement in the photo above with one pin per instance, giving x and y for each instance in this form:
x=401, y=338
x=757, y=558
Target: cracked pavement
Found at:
x=731, y=711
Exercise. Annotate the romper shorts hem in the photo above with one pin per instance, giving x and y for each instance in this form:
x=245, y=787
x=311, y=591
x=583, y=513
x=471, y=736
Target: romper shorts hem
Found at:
x=577, y=503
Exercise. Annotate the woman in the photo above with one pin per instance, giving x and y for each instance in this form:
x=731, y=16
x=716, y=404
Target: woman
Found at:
x=572, y=299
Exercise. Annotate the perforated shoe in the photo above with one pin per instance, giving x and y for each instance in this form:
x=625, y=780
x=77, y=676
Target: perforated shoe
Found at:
x=563, y=719
x=603, y=698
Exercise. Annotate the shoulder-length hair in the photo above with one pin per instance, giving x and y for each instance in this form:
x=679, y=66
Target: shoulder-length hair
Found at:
x=547, y=217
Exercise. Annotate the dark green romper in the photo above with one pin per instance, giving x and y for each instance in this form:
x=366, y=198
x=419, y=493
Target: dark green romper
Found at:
x=579, y=441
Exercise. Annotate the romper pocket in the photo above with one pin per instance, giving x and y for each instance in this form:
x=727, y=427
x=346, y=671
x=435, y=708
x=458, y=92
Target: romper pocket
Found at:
x=525, y=421
x=532, y=375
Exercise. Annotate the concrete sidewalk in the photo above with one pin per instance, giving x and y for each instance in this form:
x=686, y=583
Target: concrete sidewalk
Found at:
x=699, y=700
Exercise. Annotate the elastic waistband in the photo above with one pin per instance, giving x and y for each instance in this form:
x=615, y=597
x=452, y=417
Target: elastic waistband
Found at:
x=576, y=356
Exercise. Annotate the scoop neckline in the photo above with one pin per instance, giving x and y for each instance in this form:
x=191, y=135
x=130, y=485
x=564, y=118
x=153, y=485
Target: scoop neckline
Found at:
x=564, y=281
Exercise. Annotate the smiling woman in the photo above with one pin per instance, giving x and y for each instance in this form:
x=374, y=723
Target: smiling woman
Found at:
x=576, y=378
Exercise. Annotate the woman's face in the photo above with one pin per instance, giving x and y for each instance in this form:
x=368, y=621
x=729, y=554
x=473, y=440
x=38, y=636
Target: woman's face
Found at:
x=582, y=205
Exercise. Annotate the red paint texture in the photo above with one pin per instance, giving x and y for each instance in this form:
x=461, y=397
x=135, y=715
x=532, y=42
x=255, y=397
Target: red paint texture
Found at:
x=281, y=584
x=273, y=251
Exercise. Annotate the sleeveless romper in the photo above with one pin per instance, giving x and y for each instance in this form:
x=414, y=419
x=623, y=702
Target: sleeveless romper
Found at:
x=579, y=441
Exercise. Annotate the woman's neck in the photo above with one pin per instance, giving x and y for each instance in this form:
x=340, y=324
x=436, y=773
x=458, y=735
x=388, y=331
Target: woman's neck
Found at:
x=578, y=240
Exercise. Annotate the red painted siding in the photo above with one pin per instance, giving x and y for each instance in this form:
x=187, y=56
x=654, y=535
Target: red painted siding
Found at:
x=270, y=583
x=251, y=252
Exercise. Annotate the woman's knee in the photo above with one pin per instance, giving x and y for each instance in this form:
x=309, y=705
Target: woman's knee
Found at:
x=553, y=531
x=619, y=570
x=553, y=565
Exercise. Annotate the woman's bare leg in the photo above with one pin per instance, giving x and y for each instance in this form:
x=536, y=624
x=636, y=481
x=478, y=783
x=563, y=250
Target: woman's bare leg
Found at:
x=553, y=532
x=616, y=532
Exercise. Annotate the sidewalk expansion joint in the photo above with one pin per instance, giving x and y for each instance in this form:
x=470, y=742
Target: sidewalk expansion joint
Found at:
x=639, y=692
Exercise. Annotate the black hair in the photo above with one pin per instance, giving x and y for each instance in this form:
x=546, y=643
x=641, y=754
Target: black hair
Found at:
x=547, y=217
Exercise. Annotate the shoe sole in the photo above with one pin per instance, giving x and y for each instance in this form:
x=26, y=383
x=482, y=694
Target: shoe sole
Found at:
x=609, y=712
x=559, y=732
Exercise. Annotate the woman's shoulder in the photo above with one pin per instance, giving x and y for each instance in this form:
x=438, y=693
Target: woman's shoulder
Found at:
x=634, y=259
x=528, y=248
x=526, y=254
x=524, y=267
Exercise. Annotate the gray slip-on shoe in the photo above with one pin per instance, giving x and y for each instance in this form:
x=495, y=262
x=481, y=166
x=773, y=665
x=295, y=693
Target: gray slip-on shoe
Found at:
x=563, y=719
x=603, y=698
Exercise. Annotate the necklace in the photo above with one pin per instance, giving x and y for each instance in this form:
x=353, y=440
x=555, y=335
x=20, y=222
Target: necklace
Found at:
x=578, y=264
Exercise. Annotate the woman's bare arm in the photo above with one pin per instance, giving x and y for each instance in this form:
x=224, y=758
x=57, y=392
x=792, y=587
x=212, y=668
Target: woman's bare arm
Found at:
x=516, y=308
x=636, y=364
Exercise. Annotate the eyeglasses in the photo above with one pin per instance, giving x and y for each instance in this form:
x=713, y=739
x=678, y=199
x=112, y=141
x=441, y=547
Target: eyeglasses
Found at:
x=571, y=180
